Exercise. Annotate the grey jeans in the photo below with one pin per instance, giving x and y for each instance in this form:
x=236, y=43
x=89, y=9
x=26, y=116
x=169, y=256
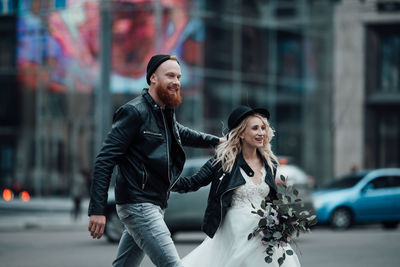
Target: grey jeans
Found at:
x=145, y=232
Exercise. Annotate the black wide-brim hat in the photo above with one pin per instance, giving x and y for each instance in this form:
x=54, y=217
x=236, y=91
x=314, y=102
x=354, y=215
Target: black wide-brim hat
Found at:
x=242, y=112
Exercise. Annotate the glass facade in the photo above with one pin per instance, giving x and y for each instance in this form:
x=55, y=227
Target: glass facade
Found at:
x=383, y=96
x=273, y=54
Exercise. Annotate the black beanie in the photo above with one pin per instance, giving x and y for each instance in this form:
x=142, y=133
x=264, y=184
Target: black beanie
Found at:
x=153, y=64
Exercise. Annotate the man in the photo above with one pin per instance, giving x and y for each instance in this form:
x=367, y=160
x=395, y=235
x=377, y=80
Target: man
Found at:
x=145, y=143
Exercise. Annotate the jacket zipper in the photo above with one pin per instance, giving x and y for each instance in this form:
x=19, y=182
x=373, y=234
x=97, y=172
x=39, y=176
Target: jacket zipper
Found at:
x=169, y=189
x=166, y=137
x=144, y=179
x=151, y=133
x=220, y=181
x=220, y=202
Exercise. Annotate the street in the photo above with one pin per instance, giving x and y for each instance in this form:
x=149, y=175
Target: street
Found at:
x=367, y=246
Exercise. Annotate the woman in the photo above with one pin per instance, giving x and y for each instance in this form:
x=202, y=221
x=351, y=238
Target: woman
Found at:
x=242, y=172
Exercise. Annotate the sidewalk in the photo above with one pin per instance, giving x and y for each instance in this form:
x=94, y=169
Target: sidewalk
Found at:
x=41, y=213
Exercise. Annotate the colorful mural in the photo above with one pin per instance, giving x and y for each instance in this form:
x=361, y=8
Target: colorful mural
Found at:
x=59, y=44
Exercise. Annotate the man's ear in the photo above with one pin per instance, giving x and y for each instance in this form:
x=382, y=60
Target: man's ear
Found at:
x=153, y=78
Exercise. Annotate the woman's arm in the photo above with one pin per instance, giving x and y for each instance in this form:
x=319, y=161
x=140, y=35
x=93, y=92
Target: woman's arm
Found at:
x=202, y=178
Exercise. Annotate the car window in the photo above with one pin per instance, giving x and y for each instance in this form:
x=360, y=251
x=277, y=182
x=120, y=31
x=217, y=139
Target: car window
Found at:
x=381, y=182
x=395, y=181
x=346, y=182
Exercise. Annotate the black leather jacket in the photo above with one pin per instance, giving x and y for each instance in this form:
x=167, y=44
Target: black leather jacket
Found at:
x=138, y=145
x=222, y=188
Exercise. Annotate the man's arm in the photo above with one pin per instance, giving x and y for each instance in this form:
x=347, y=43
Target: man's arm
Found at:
x=116, y=143
x=194, y=138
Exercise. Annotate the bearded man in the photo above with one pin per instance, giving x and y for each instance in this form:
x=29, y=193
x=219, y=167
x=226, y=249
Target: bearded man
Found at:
x=145, y=144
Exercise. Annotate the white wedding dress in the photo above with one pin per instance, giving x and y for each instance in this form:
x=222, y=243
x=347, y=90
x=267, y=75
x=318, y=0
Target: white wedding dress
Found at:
x=230, y=246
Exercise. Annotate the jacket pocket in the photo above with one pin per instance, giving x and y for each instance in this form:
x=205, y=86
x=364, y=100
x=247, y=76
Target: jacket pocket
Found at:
x=144, y=177
x=150, y=133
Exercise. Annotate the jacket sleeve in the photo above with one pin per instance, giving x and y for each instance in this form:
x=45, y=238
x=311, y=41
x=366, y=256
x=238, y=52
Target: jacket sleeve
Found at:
x=123, y=131
x=193, y=183
x=194, y=138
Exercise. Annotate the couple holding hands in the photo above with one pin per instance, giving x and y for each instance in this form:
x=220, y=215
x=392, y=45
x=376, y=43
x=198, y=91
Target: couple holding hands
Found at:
x=146, y=144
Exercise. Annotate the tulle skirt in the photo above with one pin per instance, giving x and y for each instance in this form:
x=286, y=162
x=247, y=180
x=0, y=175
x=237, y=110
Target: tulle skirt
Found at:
x=231, y=248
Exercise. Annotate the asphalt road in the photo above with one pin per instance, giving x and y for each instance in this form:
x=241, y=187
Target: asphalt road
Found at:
x=363, y=246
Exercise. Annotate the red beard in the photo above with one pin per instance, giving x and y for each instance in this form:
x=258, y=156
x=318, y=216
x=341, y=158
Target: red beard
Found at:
x=169, y=100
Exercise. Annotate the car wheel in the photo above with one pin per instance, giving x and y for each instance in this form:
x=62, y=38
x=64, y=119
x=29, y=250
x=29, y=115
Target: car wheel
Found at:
x=114, y=227
x=389, y=225
x=341, y=219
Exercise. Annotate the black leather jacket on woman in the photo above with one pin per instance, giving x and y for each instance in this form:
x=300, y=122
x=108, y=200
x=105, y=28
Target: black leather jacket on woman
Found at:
x=222, y=188
x=138, y=145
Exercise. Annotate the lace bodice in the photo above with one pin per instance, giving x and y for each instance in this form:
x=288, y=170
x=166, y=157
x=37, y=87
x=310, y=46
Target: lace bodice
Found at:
x=249, y=193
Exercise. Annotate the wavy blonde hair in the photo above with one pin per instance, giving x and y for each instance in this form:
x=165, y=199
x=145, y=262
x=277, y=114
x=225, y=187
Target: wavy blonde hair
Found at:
x=227, y=152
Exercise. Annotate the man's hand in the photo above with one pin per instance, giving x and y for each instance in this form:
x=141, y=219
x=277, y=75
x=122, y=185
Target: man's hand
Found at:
x=222, y=139
x=96, y=225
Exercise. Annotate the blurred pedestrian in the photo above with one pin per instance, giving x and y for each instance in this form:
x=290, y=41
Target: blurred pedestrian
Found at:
x=145, y=143
x=78, y=190
x=241, y=173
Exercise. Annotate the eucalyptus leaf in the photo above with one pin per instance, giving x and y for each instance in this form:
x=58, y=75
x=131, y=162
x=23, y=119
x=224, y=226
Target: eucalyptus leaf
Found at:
x=289, y=188
x=263, y=204
x=290, y=212
x=281, y=187
x=268, y=259
x=277, y=235
x=296, y=192
x=268, y=235
x=304, y=213
x=283, y=179
x=289, y=252
x=280, y=261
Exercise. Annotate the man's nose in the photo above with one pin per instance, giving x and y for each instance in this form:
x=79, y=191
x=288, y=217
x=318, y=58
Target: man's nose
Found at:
x=176, y=81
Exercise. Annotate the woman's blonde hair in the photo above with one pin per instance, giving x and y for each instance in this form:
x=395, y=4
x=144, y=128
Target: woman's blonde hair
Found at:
x=227, y=152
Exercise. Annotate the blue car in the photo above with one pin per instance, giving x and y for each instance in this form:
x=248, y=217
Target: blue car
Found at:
x=371, y=196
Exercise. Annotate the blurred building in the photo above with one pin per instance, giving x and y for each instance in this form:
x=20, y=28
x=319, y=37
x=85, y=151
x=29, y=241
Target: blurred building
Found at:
x=328, y=71
x=366, y=85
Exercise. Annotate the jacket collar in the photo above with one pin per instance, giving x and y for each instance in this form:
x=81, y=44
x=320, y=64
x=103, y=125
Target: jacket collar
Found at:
x=269, y=177
x=243, y=164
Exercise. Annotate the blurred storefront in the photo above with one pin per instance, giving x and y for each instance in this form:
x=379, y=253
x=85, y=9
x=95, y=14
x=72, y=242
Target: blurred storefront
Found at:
x=73, y=62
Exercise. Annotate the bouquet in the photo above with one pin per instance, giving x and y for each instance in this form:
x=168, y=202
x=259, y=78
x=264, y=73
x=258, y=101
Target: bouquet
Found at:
x=279, y=221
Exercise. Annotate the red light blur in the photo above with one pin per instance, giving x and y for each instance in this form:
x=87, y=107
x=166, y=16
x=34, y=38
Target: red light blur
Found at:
x=25, y=196
x=283, y=161
x=8, y=195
